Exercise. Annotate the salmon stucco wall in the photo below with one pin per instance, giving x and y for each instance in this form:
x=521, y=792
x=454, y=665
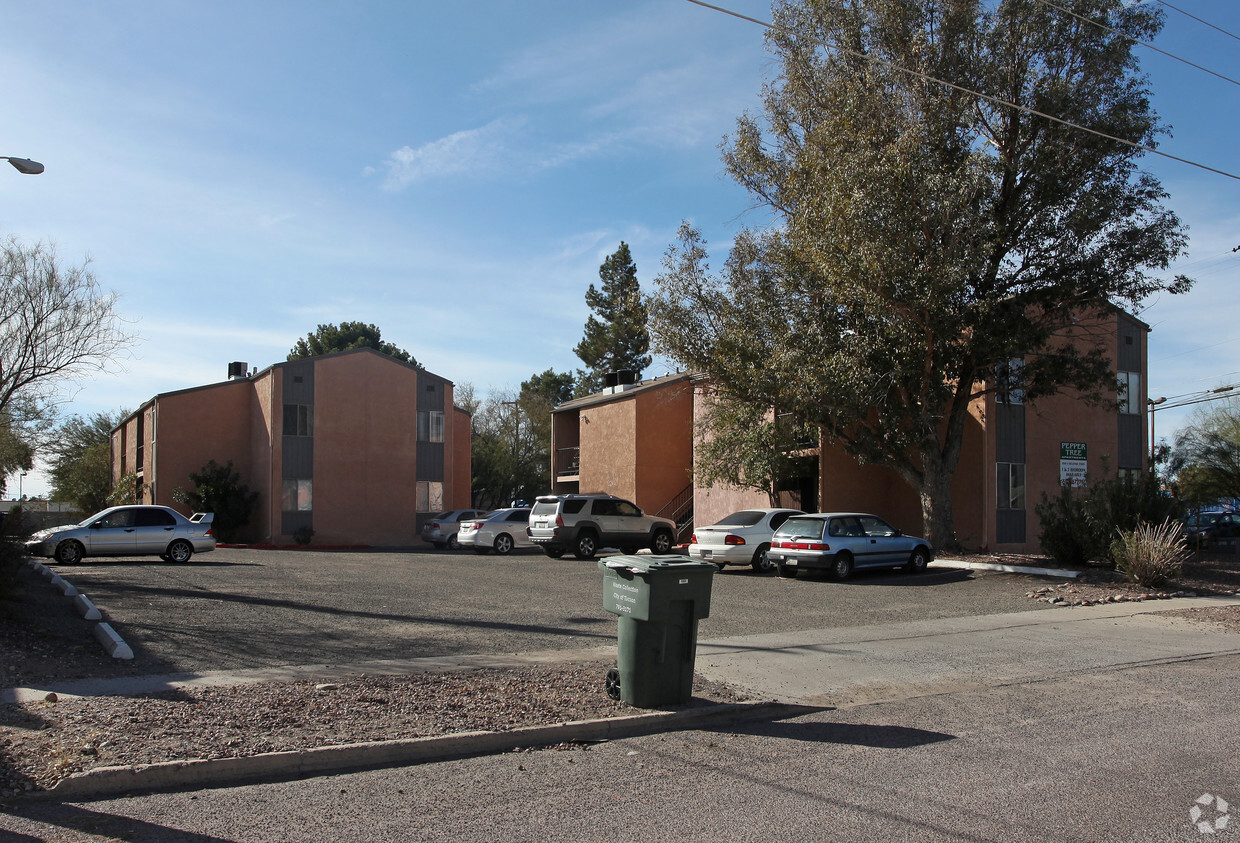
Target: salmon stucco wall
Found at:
x=364, y=463
x=193, y=427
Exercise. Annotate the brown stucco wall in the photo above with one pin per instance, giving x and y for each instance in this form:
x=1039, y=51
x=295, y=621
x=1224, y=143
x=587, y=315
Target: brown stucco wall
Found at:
x=664, y=445
x=608, y=448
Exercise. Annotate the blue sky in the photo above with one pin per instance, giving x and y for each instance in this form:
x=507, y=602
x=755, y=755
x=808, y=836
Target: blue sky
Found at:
x=453, y=173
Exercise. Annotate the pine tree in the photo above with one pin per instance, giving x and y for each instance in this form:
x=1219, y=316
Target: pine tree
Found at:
x=617, y=339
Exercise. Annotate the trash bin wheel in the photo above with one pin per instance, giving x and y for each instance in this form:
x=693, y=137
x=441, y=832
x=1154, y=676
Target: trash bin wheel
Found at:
x=613, y=684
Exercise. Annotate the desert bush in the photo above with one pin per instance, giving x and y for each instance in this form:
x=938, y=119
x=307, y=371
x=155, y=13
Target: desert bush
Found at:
x=1151, y=554
x=303, y=535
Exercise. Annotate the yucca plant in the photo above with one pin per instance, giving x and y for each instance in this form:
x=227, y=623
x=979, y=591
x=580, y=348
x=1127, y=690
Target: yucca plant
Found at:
x=1151, y=554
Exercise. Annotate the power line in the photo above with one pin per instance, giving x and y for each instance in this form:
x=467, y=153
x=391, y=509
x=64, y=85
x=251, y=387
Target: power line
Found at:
x=996, y=100
x=1114, y=31
x=1199, y=20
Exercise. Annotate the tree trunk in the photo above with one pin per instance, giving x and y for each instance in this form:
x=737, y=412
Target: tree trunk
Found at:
x=937, y=516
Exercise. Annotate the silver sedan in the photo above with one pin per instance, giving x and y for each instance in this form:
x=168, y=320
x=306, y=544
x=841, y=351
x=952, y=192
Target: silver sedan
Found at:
x=128, y=531
x=501, y=531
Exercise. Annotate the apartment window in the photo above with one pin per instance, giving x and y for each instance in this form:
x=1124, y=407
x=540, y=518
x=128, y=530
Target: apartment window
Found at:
x=1009, y=382
x=429, y=496
x=297, y=496
x=298, y=420
x=430, y=426
x=1129, y=393
x=1010, y=485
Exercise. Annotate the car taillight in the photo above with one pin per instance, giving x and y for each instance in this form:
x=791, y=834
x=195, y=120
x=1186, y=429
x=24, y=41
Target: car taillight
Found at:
x=434, y=525
x=731, y=539
x=787, y=545
x=693, y=539
x=208, y=532
x=559, y=521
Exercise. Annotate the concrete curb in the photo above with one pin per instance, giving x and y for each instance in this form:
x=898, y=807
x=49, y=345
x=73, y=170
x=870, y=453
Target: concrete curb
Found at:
x=1008, y=569
x=272, y=766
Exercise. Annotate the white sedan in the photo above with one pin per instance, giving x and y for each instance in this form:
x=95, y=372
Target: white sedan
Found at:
x=501, y=531
x=742, y=538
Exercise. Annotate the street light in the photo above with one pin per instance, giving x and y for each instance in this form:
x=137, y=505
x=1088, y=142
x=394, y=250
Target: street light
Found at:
x=20, y=478
x=1153, y=402
x=24, y=165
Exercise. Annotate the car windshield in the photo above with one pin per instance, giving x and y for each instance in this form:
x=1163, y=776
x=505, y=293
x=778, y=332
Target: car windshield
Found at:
x=801, y=527
x=744, y=518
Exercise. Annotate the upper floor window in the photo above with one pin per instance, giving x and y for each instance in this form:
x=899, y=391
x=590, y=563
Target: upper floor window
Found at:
x=430, y=426
x=1129, y=393
x=1009, y=382
x=1011, y=485
x=298, y=420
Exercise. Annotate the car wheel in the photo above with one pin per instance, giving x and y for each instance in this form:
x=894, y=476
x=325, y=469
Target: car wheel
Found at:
x=587, y=546
x=787, y=572
x=180, y=551
x=453, y=544
x=482, y=551
x=842, y=567
x=721, y=565
x=918, y=561
x=554, y=552
x=69, y=553
x=628, y=549
x=662, y=542
x=503, y=544
x=761, y=562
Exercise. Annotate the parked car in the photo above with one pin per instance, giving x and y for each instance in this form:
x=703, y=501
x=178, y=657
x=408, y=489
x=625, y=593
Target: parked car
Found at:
x=742, y=538
x=586, y=523
x=441, y=530
x=501, y=531
x=1212, y=526
x=841, y=542
x=128, y=531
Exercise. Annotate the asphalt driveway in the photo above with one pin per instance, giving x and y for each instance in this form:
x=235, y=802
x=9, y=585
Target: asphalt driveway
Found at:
x=241, y=608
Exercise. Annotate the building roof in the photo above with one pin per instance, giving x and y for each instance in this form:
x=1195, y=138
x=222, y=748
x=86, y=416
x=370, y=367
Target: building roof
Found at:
x=622, y=392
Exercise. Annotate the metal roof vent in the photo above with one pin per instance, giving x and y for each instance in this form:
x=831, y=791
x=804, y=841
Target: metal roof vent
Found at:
x=236, y=371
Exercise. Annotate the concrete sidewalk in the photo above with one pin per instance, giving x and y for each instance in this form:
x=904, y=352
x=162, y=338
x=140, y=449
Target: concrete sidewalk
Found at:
x=848, y=665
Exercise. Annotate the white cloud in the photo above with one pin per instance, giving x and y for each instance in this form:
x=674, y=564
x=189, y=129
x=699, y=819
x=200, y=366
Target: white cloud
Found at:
x=469, y=152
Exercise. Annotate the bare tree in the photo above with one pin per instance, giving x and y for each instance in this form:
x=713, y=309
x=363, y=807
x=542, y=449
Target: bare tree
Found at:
x=57, y=325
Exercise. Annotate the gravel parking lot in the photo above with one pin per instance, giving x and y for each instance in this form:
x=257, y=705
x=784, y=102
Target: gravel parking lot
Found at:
x=243, y=608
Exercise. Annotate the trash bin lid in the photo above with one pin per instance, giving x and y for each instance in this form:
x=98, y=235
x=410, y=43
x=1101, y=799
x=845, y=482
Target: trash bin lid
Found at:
x=655, y=564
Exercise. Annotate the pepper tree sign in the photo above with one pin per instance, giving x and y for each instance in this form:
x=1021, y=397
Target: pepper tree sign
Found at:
x=1073, y=464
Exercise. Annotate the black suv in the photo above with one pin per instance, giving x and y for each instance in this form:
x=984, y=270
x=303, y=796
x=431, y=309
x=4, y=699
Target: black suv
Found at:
x=586, y=523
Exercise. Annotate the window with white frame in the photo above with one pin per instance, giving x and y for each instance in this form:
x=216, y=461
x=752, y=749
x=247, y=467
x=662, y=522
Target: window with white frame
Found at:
x=430, y=426
x=1010, y=485
x=1129, y=393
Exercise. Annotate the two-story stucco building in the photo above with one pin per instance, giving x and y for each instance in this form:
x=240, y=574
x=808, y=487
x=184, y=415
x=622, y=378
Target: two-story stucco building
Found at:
x=637, y=441
x=357, y=446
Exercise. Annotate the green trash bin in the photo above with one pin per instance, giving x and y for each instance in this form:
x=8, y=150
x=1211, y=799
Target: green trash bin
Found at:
x=660, y=600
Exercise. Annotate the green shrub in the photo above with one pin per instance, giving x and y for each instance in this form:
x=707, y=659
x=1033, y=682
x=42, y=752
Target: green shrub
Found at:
x=1151, y=554
x=218, y=489
x=1076, y=523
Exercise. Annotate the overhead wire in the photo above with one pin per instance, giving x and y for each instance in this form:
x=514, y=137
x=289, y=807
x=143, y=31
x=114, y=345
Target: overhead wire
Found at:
x=988, y=97
x=1114, y=31
x=1199, y=20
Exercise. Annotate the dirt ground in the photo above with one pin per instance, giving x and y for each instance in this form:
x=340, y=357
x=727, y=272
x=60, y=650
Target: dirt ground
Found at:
x=42, y=742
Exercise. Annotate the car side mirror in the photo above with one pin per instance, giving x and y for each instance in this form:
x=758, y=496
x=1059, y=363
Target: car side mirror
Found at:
x=96, y=525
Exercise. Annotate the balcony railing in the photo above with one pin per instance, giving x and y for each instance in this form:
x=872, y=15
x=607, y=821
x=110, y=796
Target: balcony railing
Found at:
x=567, y=462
